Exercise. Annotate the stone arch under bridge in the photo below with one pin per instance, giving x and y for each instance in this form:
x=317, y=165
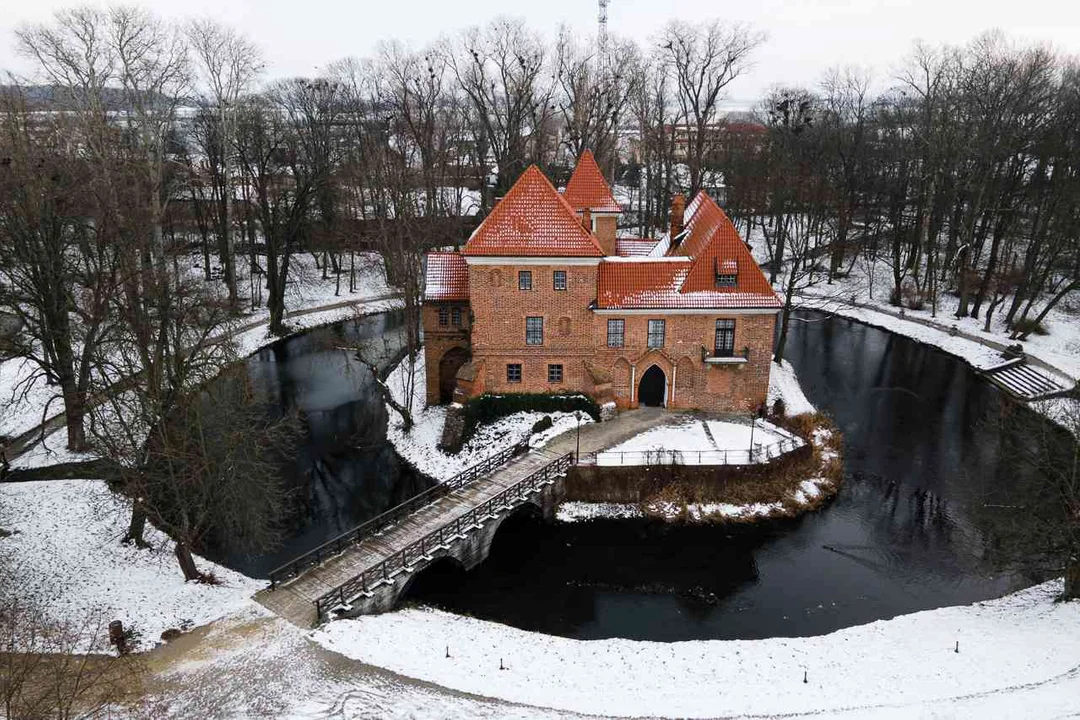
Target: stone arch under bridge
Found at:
x=468, y=552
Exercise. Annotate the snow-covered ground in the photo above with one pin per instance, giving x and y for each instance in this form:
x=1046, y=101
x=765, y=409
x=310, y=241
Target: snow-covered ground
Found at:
x=420, y=445
x=65, y=548
x=784, y=385
x=691, y=441
x=905, y=667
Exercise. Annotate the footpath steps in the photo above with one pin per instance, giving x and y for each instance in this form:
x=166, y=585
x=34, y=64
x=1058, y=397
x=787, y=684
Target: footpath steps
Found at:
x=1023, y=381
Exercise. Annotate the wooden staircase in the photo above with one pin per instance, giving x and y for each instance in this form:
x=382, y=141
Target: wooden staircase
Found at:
x=1023, y=381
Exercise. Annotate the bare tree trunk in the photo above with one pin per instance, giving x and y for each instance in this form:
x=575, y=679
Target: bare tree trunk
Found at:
x=187, y=562
x=1072, y=578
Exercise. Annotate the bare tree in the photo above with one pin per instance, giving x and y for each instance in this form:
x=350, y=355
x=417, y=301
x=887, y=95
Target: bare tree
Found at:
x=59, y=264
x=704, y=60
x=207, y=473
x=227, y=66
x=593, y=95
x=502, y=71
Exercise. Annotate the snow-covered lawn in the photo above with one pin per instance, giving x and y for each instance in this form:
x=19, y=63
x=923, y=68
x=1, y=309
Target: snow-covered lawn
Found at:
x=66, y=550
x=904, y=667
x=699, y=442
x=52, y=450
x=420, y=445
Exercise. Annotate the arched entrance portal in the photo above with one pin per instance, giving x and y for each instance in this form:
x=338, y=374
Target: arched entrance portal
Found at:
x=448, y=367
x=653, y=388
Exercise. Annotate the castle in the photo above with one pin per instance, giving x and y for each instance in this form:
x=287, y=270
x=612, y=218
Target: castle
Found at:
x=544, y=297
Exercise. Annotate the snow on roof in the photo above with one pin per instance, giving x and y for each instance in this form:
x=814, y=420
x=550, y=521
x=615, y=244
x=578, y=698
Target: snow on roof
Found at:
x=588, y=189
x=533, y=220
x=709, y=243
x=633, y=247
x=447, y=277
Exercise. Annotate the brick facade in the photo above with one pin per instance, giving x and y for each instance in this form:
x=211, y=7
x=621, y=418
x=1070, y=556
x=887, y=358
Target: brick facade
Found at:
x=536, y=231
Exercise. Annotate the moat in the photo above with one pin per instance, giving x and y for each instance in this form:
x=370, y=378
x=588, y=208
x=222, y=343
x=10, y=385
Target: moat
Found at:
x=926, y=516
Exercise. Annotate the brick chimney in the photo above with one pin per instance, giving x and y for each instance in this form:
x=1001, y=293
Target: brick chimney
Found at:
x=678, y=208
x=586, y=219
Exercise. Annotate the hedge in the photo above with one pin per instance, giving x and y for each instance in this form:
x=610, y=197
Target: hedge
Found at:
x=488, y=408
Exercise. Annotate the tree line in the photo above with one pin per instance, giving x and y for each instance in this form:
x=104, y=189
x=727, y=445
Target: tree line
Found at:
x=960, y=182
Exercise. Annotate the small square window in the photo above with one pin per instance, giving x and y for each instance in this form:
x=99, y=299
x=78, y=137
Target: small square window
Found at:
x=560, y=279
x=534, y=331
x=444, y=315
x=656, y=334
x=513, y=373
x=455, y=317
x=554, y=373
x=524, y=279
x=616, y=333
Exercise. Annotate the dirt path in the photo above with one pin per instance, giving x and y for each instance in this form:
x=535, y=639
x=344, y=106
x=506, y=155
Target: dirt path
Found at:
x=256, y=665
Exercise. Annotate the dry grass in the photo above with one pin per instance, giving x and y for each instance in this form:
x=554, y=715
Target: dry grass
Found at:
x=777, y=483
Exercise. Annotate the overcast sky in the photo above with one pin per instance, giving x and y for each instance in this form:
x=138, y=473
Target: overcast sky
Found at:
x=805, y=37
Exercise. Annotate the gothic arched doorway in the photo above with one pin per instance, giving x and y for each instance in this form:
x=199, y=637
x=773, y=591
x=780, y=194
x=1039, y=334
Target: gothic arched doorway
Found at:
x=448, y=367
x=653, y=388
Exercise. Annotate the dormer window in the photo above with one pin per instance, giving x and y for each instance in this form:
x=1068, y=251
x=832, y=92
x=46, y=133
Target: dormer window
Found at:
x=727, y=273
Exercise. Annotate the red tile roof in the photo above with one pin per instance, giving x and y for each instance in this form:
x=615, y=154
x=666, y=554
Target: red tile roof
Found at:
x=686, y=277
x=447, y=277
x=533, y=220
x=634, y=247
x=588, y=189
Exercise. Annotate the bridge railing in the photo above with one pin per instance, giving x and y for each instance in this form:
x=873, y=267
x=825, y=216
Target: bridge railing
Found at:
x=440, y=539
x=377, y=524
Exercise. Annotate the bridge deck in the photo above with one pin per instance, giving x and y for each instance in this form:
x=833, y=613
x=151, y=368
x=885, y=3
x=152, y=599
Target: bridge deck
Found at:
x=295, y=600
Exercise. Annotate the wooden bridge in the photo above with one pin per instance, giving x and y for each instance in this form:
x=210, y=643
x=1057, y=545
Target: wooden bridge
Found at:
x=368, y=568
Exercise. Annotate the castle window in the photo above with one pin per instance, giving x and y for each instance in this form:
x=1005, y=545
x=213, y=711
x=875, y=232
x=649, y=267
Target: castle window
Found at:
x=725, y=338
x=534, y=331
x=656, y=334
x=455, y=317
x=513, y=373
x=444, y=315
x=554, y=373
x=524, y=279
x=616, y=333
x=560, y=279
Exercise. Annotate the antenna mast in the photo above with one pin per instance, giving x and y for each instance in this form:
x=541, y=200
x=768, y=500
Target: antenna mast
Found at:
x=601, y=33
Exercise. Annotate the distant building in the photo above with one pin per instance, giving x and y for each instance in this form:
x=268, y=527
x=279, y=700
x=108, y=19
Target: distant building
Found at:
x=543, y=298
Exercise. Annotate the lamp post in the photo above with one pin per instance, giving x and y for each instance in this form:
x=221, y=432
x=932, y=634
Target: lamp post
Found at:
x=753, y=422
x=577, y=449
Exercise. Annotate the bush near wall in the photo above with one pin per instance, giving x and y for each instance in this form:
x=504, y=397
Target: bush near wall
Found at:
x=488, y=408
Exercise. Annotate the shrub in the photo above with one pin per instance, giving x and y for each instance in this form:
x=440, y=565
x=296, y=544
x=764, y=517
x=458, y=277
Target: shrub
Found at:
x=542, y=424
x=1028, y=326
x=779, y=408
x=488, y=408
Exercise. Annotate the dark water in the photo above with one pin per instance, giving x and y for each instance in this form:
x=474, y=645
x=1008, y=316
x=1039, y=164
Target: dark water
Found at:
x=345, y=471
x=932, y=498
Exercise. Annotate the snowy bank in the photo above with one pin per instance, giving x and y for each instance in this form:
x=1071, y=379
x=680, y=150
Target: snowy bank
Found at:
x=66, y=549
x=784, y=385
x=420, y=444
x=909, y=662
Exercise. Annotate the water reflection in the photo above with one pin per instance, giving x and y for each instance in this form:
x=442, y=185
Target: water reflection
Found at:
x=344, y=471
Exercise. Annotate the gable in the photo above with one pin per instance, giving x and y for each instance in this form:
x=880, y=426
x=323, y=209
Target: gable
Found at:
x=532, y=220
